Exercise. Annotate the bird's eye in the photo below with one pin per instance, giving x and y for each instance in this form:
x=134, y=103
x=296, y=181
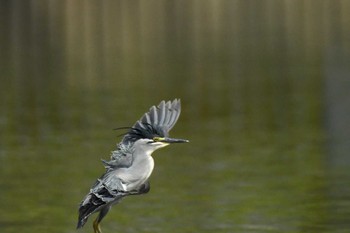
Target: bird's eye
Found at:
x=156, y=139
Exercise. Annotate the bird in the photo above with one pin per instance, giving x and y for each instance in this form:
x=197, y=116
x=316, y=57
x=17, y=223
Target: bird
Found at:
x=131, y=163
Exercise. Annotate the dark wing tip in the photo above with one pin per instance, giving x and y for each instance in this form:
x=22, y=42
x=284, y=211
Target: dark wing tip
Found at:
x=81, y=223
x=83, y=217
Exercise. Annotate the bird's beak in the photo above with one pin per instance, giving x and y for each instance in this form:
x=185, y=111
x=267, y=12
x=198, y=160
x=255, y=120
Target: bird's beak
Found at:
x=172, y=140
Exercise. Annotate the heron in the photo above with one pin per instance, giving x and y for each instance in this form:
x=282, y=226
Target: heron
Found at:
x=131, y=164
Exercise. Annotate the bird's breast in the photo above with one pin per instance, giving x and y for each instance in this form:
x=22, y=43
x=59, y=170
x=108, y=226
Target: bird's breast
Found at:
x=137, y=174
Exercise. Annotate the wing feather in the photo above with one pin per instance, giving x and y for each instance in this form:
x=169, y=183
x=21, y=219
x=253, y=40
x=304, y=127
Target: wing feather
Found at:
x=161, y=112
x=158, y=121
x=154, y=115
x=176, y=113
x=106, y=190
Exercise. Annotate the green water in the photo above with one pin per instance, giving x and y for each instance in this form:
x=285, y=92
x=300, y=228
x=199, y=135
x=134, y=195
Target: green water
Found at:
x=265, y=105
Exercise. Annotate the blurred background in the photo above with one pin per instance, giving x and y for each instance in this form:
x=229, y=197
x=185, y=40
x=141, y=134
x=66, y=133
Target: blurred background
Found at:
x=265, y=91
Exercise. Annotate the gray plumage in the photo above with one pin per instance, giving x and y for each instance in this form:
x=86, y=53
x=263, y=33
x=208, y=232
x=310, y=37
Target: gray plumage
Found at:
x=131, y=164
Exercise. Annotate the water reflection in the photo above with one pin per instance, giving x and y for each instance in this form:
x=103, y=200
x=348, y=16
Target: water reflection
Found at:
x=260, y=108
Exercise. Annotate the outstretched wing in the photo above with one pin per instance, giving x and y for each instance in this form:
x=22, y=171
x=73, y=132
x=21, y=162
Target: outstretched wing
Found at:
x=158, y=121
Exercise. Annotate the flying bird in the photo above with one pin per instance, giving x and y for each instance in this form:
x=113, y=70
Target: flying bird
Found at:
x=131, y=164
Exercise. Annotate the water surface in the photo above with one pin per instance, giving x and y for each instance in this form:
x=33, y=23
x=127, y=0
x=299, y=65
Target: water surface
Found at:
x=265, y=105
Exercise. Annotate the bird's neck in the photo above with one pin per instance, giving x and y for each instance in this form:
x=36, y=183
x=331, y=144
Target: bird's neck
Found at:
x=143, y=162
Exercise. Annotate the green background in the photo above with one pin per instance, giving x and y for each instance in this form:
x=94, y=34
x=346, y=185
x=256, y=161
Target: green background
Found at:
x=264, y=86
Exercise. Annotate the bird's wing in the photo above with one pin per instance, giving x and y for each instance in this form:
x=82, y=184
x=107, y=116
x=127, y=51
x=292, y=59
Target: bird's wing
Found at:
x=107, y=190
x=158, y=121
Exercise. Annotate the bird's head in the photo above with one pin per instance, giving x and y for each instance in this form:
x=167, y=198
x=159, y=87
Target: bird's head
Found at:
x=150, y=145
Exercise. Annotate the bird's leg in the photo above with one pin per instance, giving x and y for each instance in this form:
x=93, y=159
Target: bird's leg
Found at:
x=96, y=226
x=99, y=218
